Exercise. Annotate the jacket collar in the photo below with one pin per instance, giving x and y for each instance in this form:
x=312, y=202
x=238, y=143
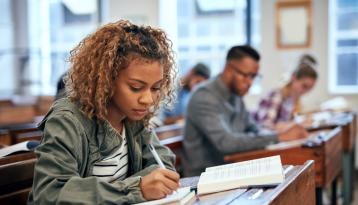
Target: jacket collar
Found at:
x=101, y=136
x=221, y=90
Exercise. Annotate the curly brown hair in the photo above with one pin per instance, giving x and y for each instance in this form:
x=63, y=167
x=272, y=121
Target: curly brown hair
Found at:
x=98, y=58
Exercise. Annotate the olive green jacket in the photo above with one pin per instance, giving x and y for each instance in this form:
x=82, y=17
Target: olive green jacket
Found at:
x=72, y=143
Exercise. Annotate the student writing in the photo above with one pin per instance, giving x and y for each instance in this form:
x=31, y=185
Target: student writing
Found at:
x=95, y=143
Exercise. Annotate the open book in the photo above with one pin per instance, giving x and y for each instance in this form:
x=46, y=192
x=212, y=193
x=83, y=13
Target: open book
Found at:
x=259, y=172
x=182, y=196
x=20, y=147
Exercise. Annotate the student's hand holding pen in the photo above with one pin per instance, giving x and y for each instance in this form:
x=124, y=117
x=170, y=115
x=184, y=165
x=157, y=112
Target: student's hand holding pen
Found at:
x=294, y=132
x=159, y=183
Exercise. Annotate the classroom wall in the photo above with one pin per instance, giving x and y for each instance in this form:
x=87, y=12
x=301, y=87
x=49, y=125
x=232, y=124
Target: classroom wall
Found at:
x=276, y=62
x=138, y=11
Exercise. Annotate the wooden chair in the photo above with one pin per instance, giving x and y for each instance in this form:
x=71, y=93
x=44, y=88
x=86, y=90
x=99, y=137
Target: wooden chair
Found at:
x=5, y=138
x=16, y=181
x=16, y=114
x=26, y=136
x=17, y=129
x=18, y=157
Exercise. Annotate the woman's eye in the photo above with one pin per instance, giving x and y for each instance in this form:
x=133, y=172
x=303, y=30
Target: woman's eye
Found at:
x=156, y=89
x=135, y=89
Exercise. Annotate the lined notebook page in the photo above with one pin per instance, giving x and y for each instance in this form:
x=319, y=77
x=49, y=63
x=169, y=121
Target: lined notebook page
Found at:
x=177, y=196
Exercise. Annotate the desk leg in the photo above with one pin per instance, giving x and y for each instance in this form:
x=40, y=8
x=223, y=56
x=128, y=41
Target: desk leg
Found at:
x=348, y=176
x=334, y=192
x=353, y=170
x=319, y=197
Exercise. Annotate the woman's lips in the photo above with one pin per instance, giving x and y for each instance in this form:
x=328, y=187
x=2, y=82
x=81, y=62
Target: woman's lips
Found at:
x=140, y=111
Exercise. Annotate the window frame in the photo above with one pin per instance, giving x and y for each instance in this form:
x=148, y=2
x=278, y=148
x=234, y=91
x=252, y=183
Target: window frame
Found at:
x=333, y=52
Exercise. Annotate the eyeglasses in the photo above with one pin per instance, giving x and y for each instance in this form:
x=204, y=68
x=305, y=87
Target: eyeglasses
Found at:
x=251, y=76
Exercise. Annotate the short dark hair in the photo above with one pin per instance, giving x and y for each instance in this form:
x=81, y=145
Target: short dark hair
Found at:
x=239, y=52
x=202, y=70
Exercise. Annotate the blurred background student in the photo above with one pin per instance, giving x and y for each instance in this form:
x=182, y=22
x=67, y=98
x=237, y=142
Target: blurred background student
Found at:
x=277, y=109
x=198, y=74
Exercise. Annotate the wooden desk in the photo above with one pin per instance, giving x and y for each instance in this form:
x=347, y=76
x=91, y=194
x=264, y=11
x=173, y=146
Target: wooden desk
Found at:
x=27, y=136
x=168, y=131
x=348, y=122
x=5, y=138
x=16, y=176
x=17, y=158
x=16, y=114
x=17, y=129
x=16, y=181
x=298, y=188
x=326, y=154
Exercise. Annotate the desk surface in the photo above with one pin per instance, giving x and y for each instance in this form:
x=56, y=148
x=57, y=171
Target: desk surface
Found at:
x=326, y=154
x=298, y=188
x=347, y=121
x=17, y=157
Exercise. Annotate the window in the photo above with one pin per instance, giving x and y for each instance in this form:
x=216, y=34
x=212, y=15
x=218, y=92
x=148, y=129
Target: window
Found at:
x=207, y=29
x=37, y=37
x=68, y=22
x=7, y=51
x=343, y=46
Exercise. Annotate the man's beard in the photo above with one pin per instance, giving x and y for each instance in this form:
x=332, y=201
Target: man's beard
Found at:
x=233, y=88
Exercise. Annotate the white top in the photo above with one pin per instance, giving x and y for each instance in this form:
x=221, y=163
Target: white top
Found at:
x=115, y=166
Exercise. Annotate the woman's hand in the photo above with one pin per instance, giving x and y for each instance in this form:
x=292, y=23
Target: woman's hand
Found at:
x=294, y=132
x=159, y=183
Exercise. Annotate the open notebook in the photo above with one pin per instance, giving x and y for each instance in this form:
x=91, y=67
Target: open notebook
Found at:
x=182, y=196
x=259, y=172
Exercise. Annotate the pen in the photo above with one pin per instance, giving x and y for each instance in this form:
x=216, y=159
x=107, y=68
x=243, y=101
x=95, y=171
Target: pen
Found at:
x=156, y=156
x=257, y=194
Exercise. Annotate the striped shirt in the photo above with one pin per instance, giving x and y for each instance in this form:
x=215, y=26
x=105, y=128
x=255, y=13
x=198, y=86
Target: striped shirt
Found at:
x=115, y=166
x=273, y=109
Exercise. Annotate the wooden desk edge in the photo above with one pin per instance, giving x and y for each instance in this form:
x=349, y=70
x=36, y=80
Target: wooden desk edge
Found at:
x=307, y=167
x=242, y=155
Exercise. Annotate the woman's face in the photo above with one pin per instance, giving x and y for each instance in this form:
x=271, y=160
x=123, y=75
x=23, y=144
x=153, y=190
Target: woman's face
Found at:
x=136, y=90
x=302, y=86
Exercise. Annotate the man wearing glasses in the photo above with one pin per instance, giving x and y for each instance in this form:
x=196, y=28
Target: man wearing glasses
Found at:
x=217, y=122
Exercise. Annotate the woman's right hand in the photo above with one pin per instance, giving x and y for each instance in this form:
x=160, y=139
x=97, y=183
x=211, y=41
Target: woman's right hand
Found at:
x=159, y=183
x=294, y=132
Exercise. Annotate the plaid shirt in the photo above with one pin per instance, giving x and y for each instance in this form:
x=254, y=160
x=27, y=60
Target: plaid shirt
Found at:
x=273, y=109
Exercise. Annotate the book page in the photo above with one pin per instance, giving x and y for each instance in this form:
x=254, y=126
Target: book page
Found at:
x=247, y=169
x=176, y=196
x=14, y=148
x=244, y=163
x=259, y=172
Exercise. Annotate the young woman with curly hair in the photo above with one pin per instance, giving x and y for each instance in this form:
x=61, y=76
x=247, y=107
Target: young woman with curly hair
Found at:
x=95, y=143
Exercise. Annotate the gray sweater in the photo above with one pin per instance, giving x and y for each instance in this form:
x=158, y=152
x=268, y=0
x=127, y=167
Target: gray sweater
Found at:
x=217, y=124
